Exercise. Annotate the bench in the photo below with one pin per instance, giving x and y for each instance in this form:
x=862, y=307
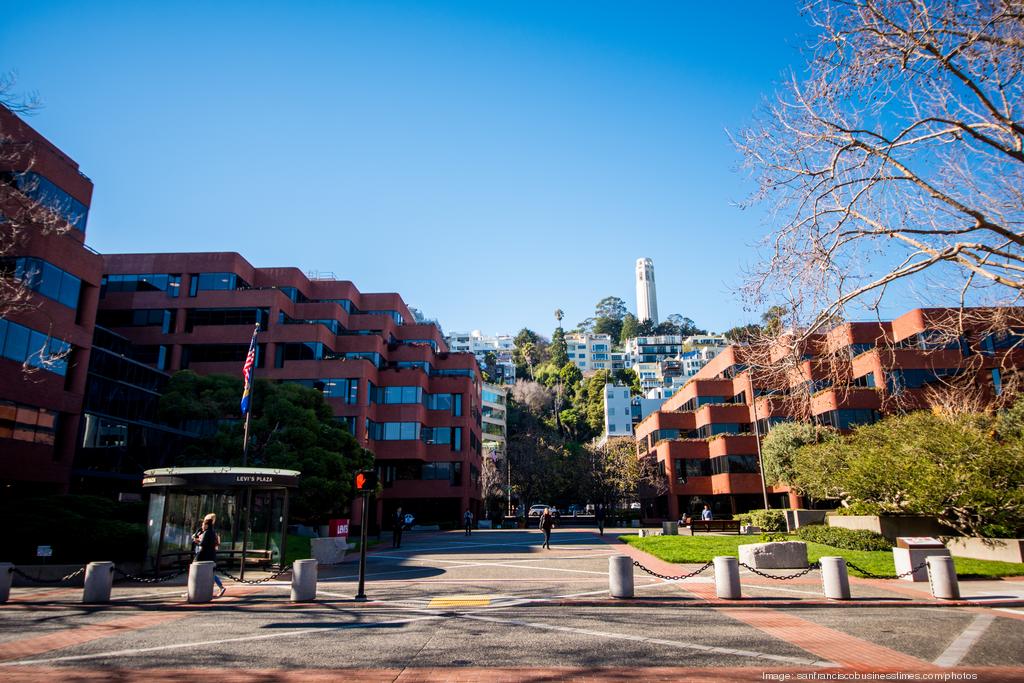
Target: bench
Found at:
x=257, y=558
x=715, y=525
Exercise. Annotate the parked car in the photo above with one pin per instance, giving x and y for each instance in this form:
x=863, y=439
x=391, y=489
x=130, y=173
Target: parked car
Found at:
x=576, y=510
x=538, y=510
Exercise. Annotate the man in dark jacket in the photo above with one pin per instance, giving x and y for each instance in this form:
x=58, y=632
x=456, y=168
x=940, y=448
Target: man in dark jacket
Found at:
x=396, y=524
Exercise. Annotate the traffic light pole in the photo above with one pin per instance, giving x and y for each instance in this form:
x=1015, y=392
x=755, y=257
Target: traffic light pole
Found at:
x=361, y=594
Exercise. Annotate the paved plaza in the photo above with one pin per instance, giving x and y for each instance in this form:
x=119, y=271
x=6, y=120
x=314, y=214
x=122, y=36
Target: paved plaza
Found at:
x=495, y=606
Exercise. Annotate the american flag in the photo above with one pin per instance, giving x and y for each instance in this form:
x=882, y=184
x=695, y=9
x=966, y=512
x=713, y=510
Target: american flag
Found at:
x=250, y=361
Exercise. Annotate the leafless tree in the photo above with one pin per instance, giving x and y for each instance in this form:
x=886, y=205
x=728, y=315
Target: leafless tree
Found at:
x=24, y=214
x=492, y=478
x=894, y=164
x=533, y=395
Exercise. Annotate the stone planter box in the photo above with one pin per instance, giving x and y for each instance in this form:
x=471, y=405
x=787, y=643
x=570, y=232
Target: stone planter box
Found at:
x=1001, y=549
x=798, y=518
x=890, y=527
x=780, y=555
x=329, y=550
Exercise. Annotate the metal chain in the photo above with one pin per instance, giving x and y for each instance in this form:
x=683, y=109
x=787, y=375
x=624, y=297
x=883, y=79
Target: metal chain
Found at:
x=72, y=575
x=810, y=568
x=871, y=575
x=672, y=578
x=143, y=579
x=272, y=577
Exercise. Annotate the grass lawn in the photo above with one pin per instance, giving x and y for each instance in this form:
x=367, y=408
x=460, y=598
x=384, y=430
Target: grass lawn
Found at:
x=701, y=549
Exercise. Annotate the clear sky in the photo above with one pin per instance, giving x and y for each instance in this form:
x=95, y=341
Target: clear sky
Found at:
x=489, y=161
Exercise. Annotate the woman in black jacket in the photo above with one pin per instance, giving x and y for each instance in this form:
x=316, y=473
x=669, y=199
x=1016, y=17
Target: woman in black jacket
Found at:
x=207, y=541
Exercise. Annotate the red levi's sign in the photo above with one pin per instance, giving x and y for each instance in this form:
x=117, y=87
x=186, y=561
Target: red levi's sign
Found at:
x=338, y=527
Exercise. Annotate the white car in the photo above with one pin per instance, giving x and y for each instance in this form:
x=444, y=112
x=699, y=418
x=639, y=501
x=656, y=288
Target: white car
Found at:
x=538, y=510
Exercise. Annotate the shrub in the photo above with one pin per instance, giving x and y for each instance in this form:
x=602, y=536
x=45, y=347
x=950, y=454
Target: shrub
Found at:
x=769, y=521
x=772, y=538
x=848, y=539
x=743, y=518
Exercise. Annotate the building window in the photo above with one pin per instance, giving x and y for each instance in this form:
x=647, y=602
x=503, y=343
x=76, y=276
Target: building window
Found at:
x=35, y=349
x=997, y=381
x=47, y=279
x=43, y=190
x=27, y=423
x=393, y=431
x=205, y=282
x=170, y=284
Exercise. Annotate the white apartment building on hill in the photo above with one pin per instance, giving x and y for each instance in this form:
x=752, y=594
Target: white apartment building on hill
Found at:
x=593, y=352
x=501, y=345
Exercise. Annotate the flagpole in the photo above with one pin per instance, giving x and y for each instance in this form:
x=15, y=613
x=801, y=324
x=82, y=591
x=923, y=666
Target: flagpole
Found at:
x=245, y=453
x=248, y=412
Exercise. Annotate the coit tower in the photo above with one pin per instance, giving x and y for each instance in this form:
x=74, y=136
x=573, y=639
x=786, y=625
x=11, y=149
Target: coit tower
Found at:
x=646, y=296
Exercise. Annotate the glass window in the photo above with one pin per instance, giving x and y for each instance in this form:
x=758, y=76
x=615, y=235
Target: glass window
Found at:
x=43, y=190
x=16, y=343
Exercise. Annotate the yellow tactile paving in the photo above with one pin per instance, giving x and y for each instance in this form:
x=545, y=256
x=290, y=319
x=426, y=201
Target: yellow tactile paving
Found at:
x=461, y=601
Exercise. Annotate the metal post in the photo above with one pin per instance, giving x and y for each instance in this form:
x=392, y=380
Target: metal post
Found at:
x=245, y=530
x=252, y=387
x=361, y=594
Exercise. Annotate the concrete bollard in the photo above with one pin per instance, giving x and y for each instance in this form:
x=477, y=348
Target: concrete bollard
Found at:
x=942, y=577
x=99, y=577
x=6, y=576
x=670, y=528
x=727, y=577
x=200, y=581
x=620, y=576
x=835, y=581
x=304, y=573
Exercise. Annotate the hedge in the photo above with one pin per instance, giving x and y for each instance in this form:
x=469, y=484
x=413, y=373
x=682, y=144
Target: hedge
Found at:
x=848, y=539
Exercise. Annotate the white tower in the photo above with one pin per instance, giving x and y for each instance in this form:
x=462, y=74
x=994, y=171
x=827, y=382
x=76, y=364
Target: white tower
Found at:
x=646, y=296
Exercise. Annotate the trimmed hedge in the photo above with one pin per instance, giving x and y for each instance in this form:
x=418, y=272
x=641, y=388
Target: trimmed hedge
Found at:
x=769, y=521
x=848, y=539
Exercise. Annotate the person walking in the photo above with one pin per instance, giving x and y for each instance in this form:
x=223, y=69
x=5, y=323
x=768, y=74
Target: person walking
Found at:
x=547, y=522
x=706, y=515
x=467, y=520
x=396, y=525
x=207, y=541
x=599, y=517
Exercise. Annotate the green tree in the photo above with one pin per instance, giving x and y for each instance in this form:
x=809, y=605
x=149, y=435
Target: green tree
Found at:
x=593, y=399
x=572, y=379
x=559, y=350
x=743, y=334
x=292, y=427
x=966, y=470
x=781, y=444
x=630, y=328
x=610, y=307
x=530, y=350
x=629, y=378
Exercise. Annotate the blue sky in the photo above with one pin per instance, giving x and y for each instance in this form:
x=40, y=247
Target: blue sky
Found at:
x=490, y=161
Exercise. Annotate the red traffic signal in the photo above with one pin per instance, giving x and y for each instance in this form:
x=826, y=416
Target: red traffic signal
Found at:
x=366, y=481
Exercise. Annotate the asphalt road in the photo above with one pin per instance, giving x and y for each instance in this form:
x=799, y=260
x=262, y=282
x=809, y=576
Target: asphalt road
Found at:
x=497, y=600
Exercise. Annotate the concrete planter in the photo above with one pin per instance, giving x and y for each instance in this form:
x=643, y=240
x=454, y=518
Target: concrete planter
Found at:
x=890, y=527
x=778, y=555
x=327, y=551
x=1001, y=549
x=798, y=518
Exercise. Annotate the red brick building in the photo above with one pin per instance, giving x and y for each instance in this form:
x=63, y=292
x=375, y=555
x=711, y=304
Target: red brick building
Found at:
x=390, y=379
x=44, y=348
x=704, y=436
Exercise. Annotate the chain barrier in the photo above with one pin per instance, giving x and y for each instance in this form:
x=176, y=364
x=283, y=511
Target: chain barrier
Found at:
x=127, y=576
x=673, y=578
x=871, y=575
x=272, y=577
x=69, y=577
x=810, y=568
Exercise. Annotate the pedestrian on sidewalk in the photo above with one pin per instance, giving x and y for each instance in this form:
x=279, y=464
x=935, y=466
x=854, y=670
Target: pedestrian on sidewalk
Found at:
x=396, y=528
x=547, y=522
x=207, y=541
x=599, y=516
x=467, y=520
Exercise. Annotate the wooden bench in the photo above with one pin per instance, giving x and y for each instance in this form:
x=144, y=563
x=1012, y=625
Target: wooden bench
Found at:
x=715, y=525
x=257, y=558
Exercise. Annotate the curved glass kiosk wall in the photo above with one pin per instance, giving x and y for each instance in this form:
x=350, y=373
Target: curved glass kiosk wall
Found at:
x=181, y=496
